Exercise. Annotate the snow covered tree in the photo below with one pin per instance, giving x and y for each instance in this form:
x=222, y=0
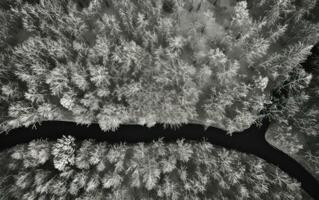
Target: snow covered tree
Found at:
x=78, y=182
x=38, y=153
x=63, y=153
x=145, y=166
x=83, y=155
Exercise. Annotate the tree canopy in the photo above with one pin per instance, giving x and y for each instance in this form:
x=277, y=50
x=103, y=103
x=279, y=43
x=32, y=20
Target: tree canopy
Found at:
x=70, y=169
x=159, y=61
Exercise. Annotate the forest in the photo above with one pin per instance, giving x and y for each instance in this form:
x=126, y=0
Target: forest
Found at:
x=168, y=61
x=218, y=63
x=67, y=169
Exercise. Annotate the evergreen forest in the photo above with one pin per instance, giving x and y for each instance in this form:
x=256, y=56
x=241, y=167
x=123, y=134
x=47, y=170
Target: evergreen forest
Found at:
x=227, y=64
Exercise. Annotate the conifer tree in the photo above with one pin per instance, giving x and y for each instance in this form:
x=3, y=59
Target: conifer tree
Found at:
x=82, y=159
x=38, y=153
x=63, y=152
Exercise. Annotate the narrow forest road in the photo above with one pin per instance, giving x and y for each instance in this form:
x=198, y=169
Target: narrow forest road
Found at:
x=250, y=141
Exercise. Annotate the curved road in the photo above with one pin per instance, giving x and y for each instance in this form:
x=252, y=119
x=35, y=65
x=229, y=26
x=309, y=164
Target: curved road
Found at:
x=250, y=141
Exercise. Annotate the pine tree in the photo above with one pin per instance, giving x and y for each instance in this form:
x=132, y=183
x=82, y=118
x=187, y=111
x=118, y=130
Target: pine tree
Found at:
x=41, y=177
x=63, y=153
x=111, y=180
x=83, y=155
x=78, y=182
x=93, y=184
x=97, y=154
x=38, y=153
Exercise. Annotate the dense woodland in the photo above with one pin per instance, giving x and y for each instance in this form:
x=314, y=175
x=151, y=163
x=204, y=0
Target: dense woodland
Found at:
x=296, y=132
x=216, y=63
x=67, y=169
x=226, y=64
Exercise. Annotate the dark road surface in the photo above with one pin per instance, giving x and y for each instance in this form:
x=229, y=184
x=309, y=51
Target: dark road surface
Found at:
x=250, y=141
